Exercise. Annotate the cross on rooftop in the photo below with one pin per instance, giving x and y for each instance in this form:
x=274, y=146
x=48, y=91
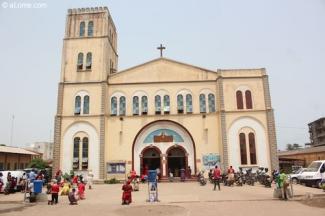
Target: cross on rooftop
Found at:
x=161, y=48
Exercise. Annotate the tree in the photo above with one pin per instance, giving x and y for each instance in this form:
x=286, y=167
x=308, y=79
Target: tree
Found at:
x=38, y=163
x=294, y=146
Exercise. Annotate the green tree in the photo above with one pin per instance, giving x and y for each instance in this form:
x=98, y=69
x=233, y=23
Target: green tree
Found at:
x=294, y=146
x=38, y=163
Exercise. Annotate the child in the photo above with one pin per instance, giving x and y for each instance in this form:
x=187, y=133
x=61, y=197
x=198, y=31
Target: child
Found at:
x=55, y=192
x=49, y=194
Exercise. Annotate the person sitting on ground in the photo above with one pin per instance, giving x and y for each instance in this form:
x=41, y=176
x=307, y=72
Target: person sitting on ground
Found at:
x=73, y=197
x=127, y=196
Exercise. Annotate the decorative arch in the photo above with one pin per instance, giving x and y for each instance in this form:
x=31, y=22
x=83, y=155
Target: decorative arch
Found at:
x=93, y=149
x=138, y=142
x=261, y=142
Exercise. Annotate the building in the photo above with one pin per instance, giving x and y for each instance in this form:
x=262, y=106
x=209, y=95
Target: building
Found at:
x=45, y=148
x=161, y=114
x=13, y=158
x=301, y=157
x=317, y=132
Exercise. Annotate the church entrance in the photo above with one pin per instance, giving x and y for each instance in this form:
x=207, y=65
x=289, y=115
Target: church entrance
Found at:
x=176, y=160
x=150, y=159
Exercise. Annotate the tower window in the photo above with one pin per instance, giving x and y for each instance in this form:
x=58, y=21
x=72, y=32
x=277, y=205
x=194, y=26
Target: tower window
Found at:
x=203, y=108
x=252, y=149
x=82, y=29
x=248, y=97
x=86, y=105
x=76, y=143
x=85, y=145
x=239, y=98
x=89, y=61
x=90, y=28
x=80, y=61
x=243, y=153
x=77, y=107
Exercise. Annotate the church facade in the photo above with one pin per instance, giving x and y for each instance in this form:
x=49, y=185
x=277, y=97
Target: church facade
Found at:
x=161, y=114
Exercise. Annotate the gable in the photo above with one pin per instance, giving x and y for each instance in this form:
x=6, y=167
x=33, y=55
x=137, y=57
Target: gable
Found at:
x=162, y=70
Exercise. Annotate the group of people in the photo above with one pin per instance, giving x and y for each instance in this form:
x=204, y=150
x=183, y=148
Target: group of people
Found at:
x=73, y=186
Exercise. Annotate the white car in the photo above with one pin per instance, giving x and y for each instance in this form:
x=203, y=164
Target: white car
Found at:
x=296, y=176
x=314, y=174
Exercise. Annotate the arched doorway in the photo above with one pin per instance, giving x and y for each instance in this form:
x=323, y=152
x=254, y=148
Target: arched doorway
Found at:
x=163, y=135
x=150, y=159
x=176, y=160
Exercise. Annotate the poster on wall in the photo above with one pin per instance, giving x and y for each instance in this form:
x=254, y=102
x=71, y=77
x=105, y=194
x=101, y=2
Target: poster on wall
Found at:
x=210, y=160
x=116, y=168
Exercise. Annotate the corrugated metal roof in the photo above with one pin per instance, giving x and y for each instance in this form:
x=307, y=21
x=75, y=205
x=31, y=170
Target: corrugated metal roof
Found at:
x=16, y=150
x=302, y=151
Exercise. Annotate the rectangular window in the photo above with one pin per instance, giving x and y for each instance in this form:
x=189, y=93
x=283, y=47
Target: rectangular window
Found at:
x=115, y=168
x=15, y=166
x=8, y=166
x=1, y=166
x=21, y=166
x=243, y=153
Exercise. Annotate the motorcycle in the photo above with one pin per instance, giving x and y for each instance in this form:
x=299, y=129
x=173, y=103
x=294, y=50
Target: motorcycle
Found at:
x=201, y=178
x=238, y=179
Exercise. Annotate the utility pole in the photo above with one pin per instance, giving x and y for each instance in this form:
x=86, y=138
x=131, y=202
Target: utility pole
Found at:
x=12, y=129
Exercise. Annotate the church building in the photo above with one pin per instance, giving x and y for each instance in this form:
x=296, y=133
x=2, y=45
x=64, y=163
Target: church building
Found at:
x=160, y=114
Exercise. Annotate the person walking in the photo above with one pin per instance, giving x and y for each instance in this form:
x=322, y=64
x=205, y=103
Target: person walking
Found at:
x=216, y=177
x=283, y=180
x=127, y=196
x=55, y=192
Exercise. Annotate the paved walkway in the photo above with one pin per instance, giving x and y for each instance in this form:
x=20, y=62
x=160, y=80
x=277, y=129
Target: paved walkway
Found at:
x=175, y=199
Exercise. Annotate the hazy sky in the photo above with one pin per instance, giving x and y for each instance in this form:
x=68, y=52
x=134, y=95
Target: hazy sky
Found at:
x=287, y=37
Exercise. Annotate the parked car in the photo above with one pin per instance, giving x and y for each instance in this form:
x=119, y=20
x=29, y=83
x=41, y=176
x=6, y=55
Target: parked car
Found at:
x=313, y=174
x=296, y=176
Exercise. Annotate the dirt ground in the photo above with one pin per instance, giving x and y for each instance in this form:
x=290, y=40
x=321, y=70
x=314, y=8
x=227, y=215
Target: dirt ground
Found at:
x=176, y=199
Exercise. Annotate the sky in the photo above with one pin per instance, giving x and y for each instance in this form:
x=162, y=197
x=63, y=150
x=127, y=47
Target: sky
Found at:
x=287, y=37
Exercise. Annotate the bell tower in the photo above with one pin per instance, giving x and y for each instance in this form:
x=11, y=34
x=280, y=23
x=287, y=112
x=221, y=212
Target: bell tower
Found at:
x=89, y=56
x=89, y=45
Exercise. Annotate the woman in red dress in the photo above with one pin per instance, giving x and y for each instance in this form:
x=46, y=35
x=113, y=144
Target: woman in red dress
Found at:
x=126, y=196
x=81, y=190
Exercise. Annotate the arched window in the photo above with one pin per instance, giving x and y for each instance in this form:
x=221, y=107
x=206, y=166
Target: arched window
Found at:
x=239, y=97
x=113, y=106
x=135, y=105
x=180, y=103
x=248, y=97
x=85, y=153
x=158, y=104
x=90, y=28
x=76, y=142
x=122, y=106
x=243, y=153
x=86, y=105
x=82, y=29
x=80, y=61
x=203, y=108
x=88, y=61
x=252, y=149
x=166, y=104
x=189, y=106
x=144, y=105
x=212, y=103
x=77, y=105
